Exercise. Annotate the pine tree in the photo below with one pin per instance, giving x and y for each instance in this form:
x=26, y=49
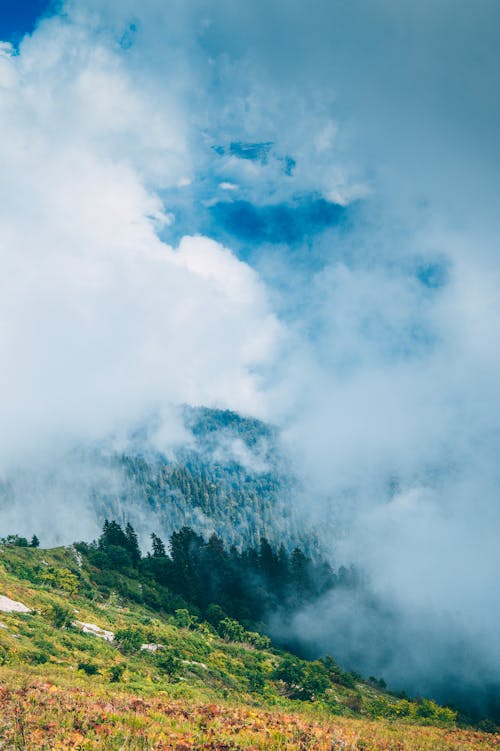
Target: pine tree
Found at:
x=300, y=574
x=112, y=535
x=268, y=560
x=35, y=542
x=158, y=546
x=132, y=543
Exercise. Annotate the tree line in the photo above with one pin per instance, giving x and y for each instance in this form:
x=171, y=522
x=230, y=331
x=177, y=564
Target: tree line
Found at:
x=215, y=581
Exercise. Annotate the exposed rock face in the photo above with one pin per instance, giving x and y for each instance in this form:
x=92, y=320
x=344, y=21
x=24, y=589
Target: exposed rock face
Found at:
x=12, y=606
x=91, y=628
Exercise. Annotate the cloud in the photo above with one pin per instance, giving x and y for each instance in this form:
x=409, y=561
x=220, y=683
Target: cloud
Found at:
x=101, y=320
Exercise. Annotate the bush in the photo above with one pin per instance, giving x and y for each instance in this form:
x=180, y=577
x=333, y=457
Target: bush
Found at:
x=289, y=671
x=337, y=675
x=36, y=657
x=446, y=716
x=88, y=667
x=314, y=680
x=59, y=616
x=130, y=639
x=214, y=614
x=426, y=709
x=259, y=641
x=47, y=646
x=116, y=672
x=377, y=682
x=167, y=662
x=60, y=578
x=185, y=619
x=205, y=629
x=305, y=680
x=231, y=630
x=18, y=542
x=256, y=681
x=403, y=708
x=487, y=726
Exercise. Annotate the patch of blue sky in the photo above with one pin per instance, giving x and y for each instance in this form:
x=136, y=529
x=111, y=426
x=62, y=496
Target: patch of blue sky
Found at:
x=249, y=229
x=246, y=209
x=288, y=223
x=255, y=152
x=19, y=17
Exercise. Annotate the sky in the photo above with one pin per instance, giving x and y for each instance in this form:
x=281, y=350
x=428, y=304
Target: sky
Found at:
x=20, y=17
x=289, y=210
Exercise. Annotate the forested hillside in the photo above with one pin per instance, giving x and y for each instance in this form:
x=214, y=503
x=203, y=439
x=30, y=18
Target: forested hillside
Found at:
x=223, y=474
x=231, y=478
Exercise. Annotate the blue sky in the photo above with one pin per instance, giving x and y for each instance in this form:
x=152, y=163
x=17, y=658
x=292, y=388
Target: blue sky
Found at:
x=18, y=17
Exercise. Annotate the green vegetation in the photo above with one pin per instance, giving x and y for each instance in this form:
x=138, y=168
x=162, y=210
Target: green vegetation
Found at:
x=230, y=589
x=102, y=614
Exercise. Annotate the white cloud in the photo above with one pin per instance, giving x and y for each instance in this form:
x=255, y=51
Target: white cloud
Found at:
x=101, y=321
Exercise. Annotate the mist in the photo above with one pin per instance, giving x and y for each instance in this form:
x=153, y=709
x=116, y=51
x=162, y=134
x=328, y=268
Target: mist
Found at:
x=131, y=137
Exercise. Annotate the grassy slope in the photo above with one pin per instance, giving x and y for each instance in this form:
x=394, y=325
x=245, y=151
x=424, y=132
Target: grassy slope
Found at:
x=208, y=701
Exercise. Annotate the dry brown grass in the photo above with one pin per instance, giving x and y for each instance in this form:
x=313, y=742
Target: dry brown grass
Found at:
x=37, y=714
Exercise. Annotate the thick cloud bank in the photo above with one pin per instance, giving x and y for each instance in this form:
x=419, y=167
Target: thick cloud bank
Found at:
x=101, y=320
x=288, y=209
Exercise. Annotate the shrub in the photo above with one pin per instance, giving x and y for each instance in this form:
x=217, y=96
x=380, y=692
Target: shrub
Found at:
x=487, y=726
x=46, y=646
x=260, y=641
x=314, y=680
x=256, y=681
x=305, y=680
x=205, y=629
x=129, y=639
x=185, y=619
x=377, y=682
x=446, y=716
x=214, y=614
x=88, y=667
x=167, y=662
x=337, y=675
x=18, y=542
x=59, y=616
x=60, y=578
x=116, y=672
x=426, y=709
x=403, y=708
x=36, y=657
x=289, y=671
x=231, y=630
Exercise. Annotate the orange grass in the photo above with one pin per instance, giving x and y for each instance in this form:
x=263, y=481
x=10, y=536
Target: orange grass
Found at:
x=36, y=714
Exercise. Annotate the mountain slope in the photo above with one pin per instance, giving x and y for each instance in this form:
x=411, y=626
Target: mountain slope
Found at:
x=231, y=478
x=84, y=670
x=224, y=474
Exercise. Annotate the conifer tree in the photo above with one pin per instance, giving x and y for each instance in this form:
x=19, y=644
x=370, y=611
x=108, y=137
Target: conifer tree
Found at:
x=158, y=546
x=132, y=543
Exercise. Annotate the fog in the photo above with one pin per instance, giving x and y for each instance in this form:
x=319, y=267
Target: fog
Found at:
x=371, y=340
